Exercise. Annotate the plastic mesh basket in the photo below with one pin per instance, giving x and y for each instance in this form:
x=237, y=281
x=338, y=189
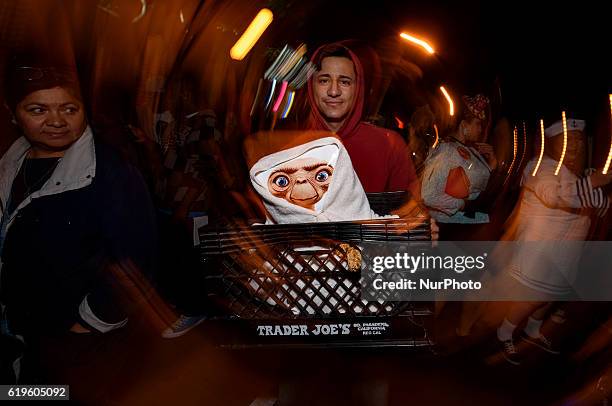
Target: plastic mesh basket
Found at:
x=297, y=271
x=385, y=202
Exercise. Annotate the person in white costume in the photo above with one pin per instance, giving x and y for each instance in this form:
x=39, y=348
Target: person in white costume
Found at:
x=555, y=208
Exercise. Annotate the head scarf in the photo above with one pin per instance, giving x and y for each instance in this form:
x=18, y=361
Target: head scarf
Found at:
x=24, y=80
x=477, y=106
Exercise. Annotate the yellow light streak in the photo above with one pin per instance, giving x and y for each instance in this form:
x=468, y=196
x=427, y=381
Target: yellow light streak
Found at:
x=251, y=35
x=451, y=105
x=535, y=170
x=564, y=143
x=417, y=41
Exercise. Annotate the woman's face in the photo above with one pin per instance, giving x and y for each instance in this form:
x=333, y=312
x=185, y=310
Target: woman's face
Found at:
x=472, y=130
x=51, y=119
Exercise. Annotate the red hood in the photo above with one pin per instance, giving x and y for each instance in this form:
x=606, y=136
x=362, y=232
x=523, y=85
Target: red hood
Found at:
x=316, y=120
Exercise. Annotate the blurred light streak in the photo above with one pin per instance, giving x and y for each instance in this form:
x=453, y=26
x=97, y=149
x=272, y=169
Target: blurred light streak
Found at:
x=451, y=105
x=257, y=97
x=293, y=61
x=271, y=94
x=423, y=44
x=143, y=11
x=291, y=66
x=280, y=97
x=607, y=166
x=400, y=123
x=436, y=142
x=251, y=35
x=515, y=150
x=182, y=17
x=535, y=170
x=289, y=104
x=108, y=10
x=271, y=73
x=524, y=145
x=307, y=70
x=564, y=143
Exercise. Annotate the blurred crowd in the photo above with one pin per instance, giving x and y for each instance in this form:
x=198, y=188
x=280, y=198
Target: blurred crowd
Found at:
x=119, y=149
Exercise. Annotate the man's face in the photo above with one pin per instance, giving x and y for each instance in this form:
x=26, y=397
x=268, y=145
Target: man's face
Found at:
x=334, y=89
x=51, y=119
x=575, y=154
x=302, y=182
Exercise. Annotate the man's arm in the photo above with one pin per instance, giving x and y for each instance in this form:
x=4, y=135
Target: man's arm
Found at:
x=554, y=192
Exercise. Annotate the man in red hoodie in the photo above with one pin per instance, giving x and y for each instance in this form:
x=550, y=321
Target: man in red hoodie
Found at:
x=336, y=95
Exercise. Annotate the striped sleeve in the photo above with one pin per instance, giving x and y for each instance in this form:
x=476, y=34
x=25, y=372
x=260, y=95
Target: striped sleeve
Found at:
x=590, y=197
x=601, y=212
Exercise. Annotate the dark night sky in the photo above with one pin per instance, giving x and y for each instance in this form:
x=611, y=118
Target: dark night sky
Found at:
x=548, y=56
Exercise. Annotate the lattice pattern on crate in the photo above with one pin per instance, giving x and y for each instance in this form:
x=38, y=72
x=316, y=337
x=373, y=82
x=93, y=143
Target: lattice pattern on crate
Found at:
x=297, y=284
x=240, y=237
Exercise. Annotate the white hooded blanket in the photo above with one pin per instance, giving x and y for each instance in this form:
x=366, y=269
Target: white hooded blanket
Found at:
x=345, y=199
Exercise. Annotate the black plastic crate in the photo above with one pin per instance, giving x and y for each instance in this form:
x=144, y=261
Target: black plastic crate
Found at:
x=385, y=202
x=283, y=281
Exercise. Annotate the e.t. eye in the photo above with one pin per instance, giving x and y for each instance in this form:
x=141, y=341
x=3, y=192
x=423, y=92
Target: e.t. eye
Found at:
x=281, y=181
x=322, y=176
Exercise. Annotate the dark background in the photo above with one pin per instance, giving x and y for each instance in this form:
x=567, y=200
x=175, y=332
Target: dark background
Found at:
x=547, y=56
x=533, y=59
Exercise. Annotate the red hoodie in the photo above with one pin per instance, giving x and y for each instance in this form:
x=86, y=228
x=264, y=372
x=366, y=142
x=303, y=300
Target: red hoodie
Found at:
x=381, y=158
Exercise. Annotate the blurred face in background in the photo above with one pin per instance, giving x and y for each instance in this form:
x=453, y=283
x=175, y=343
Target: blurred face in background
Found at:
x=418, y=144
x=471, y=130
x=575, y=154
x=52, y=120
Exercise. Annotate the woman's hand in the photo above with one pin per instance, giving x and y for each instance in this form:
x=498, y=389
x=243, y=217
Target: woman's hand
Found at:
x=487, y=151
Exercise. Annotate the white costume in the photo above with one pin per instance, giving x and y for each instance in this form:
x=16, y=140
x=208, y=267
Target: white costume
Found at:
x=345, y=200
x=556, y=209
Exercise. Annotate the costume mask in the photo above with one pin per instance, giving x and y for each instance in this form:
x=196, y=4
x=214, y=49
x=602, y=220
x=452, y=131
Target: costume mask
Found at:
x=303, y=181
